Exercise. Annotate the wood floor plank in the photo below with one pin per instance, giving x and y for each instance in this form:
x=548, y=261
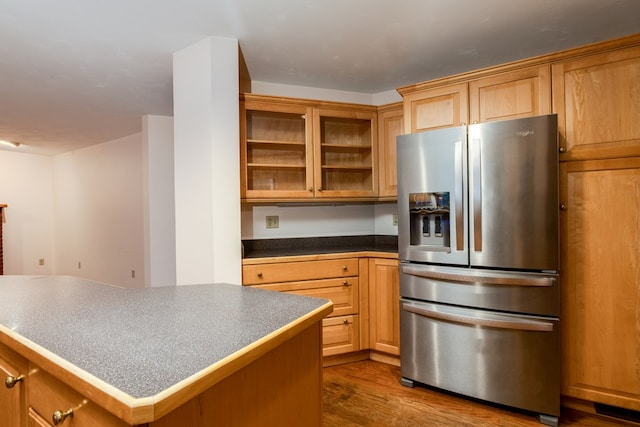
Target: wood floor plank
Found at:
x=369, y=393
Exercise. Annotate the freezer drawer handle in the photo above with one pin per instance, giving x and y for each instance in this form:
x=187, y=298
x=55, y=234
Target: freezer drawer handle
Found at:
x=516, y=281
x=521, y=325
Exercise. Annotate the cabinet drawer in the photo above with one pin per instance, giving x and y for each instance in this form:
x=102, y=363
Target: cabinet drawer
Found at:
x=296, y=271
x=343, y=292
x=46, y=395
x=340, y=335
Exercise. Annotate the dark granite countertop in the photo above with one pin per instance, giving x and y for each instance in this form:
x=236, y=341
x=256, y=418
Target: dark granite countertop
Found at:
x=142, y=341
x=264, y=248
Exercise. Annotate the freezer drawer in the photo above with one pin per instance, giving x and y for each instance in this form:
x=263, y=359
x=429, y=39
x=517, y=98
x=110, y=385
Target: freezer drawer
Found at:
x=519, y=292
x=507, y=359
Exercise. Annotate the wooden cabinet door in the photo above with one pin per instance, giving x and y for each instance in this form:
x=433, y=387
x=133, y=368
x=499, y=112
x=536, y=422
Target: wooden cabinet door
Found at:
x=384, y=308
x=510, y=95
x=276, y=154
x=390, y=125
x=436, y=108
x=597, y=99
x=340, y=335
x=600, y=289
x=13, y=406
x=345, y=153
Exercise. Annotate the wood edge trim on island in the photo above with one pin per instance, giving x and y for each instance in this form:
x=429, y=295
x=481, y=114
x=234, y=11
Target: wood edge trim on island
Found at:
x=148, y=409
x=549, y=58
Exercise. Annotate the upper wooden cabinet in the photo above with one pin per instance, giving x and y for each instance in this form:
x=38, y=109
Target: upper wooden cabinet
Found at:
x=597, y=99
x=297, y=149
x=510, y=95
x=390, y=125
x=435, y=108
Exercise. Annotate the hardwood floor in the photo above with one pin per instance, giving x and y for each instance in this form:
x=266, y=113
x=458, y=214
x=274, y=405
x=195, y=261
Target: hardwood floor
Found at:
x=369, y=393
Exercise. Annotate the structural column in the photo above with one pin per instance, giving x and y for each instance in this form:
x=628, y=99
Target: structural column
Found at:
x=207, y=162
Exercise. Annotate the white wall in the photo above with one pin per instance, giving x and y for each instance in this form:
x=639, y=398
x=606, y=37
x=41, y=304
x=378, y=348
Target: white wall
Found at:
x=26, y=186
x=159, y=201
x=98, y=212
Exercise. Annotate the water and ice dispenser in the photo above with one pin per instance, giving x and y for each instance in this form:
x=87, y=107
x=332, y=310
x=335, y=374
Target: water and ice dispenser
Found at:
x=429, y=219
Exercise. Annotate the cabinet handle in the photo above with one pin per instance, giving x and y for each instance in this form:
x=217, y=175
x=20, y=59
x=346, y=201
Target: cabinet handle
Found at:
x=345, y=321
x=563, y=207
x=344, y=268
x=59, y=416
x=561, y=149
x=346, y=283
x=12, y=381
x=310, y=189
x=319, y=188
x=260, y=275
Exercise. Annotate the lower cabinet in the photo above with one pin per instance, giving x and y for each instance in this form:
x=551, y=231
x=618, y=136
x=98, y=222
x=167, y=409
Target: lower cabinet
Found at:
x=364, y=291
x=51, y=401
x=14, y=369
x=384, y=306
x=600, y=300
x=335, y=279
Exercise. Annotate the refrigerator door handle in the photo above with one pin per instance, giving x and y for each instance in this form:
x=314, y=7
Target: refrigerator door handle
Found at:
x=483, y=279
x=493, y=321
x=476, y=155
x=459, y=190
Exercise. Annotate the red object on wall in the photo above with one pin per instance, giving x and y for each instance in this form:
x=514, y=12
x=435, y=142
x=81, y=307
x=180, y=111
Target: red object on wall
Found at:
x=2, y=207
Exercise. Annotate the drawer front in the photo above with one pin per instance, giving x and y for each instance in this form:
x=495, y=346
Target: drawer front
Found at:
x=46, y=395
x=342, y=292
x=296, y=271
x=340, y=335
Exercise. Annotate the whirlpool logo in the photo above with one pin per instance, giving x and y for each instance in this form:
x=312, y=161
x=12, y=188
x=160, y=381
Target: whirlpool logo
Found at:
x=525, y=133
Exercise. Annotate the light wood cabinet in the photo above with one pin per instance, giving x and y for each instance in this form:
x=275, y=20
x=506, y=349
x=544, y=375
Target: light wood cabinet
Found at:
x=601, y=281
x=390, y=125
x=335, y=279
x=13, y=373
x=298, y=149
x=435, y=108
x=49, y=397
x=521, y=93
x=384, y=305
x=597, y=99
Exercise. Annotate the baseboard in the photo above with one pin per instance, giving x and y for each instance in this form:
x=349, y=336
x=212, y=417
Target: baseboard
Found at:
x=340, y=359
x=389, y=359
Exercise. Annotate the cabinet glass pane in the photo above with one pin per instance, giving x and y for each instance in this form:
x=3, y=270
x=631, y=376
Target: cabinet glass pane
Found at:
x=346, y=154
x=276, y=151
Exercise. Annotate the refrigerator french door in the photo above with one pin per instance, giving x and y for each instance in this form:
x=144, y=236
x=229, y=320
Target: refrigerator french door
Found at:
x=478, y=244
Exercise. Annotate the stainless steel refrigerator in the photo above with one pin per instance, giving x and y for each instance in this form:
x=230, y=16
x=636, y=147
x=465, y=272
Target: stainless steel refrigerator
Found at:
x=478, y=245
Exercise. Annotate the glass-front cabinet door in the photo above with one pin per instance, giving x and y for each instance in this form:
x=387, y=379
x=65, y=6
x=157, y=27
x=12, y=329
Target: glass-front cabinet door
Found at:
x=345, y=152
x=276, y=151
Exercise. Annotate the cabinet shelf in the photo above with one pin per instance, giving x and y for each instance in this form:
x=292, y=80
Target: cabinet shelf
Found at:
x=347, y=167
x=273, y=143
x=274, y=166
x=346, y=147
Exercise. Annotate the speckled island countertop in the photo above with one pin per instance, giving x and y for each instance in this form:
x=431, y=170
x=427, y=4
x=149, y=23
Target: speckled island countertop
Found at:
x=143, y=342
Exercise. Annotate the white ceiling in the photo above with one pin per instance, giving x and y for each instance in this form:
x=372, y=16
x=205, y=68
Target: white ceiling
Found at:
x=79, y=72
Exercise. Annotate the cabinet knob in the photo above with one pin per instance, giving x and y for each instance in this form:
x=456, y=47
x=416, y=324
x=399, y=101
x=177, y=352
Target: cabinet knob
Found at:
x=260, y=275
x=319, y=188
x=563, y=207
x=59, y=416
x=346, y=283
x=561, y=149
x=310, y=189
x=345, y=268
x=12, y=381
x=345, y=321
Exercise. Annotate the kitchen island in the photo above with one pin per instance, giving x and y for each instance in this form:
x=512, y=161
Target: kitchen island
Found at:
x=215, y=354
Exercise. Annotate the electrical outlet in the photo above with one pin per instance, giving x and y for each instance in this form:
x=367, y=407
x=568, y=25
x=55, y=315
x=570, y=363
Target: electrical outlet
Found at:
x=79, y=265
x=395, y=219
x=41, y=261
x=133, y=274
x=273, y=221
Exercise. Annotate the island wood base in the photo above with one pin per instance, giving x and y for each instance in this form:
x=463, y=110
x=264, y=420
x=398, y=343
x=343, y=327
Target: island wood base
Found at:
x=281, y=388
